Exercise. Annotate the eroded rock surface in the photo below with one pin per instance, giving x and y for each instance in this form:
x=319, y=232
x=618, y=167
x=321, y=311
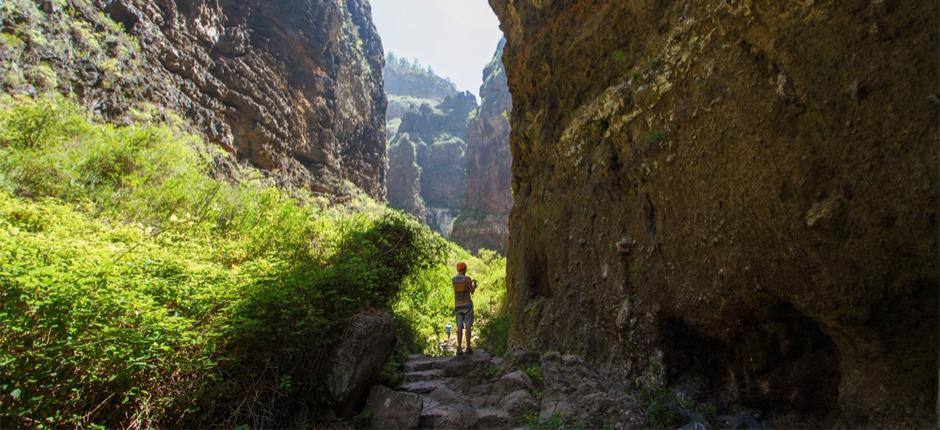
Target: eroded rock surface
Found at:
x=293, y=87
x=484, y=222
x=746, y=190
x=429, y=118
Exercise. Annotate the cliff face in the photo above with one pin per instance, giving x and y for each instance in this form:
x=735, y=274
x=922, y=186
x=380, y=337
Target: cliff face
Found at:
x=293, y=87
x=745, y=192
x=429, y=119
x=485, y=220
x=410, y=79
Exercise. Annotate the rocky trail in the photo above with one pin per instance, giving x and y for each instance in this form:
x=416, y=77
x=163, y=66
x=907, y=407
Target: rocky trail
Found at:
x=519, y=390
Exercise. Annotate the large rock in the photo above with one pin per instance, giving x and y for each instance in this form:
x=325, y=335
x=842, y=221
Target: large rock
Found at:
x=394, y=409
x=293, y=87
x=519, y=405
x=484, y=222
x=366, y=344
x=743, y=189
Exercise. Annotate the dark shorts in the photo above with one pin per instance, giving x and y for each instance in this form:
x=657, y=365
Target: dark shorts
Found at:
x=464, y=316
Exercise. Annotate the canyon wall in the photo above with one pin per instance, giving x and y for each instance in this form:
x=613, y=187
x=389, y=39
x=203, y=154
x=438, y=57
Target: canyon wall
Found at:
x=427, y=125
x=484, y=223
x=742, y=193
x=293, y=87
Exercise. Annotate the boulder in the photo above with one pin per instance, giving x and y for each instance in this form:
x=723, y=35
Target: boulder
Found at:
x=514, y=381
x=394, y=409
x=366, y=343
x=518, y=404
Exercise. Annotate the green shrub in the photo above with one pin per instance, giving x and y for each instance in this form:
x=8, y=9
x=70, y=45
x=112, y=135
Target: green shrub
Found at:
x=138, y=291
x=659, y=405
x=494, y=332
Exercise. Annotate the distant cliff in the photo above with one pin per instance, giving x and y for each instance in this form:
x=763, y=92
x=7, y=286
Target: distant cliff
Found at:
x=293, y=87
x=741, y=194
x=427, y=123
x=484, y=223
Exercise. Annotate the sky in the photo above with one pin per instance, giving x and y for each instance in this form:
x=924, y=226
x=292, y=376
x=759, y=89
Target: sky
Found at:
x=456, y=38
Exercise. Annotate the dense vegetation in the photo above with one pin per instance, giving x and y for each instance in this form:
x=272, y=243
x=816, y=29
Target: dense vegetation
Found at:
x=136, y=289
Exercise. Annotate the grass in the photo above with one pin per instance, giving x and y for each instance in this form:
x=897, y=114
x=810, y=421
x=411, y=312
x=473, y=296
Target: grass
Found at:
x=137, y=290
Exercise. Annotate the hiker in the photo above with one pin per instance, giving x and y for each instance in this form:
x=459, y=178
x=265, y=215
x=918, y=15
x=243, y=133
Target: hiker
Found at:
x=447, y=329
x=463, y=305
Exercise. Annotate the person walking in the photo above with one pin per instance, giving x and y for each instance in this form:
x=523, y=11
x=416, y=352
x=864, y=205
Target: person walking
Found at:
x=464, y=287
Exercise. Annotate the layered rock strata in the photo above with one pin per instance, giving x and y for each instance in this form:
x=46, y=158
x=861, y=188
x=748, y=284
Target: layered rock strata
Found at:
x=293, y=87
x=484, y=222
x=744, y=192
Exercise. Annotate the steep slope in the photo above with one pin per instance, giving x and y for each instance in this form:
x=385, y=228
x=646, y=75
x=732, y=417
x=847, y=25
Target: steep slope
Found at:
x=744, y=192
x=427, y=129
x=484, y=222
x=293, y=87
x=408, y=86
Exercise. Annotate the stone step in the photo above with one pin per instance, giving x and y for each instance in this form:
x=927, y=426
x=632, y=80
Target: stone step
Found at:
x=421, y=387
x=423, y=375
x=421, y=363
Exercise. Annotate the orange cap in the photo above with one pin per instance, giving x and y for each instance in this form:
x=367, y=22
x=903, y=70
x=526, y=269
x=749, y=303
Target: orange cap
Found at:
x=461, y=267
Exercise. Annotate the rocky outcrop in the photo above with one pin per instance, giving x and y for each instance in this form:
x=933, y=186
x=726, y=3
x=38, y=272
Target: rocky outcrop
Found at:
x=292, y=87
x=411, y=79
x=437, y=131
x=364, y=347
x=484, y=222
x=742, y=191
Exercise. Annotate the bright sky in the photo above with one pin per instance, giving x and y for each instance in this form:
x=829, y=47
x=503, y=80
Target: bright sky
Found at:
x=456, y=38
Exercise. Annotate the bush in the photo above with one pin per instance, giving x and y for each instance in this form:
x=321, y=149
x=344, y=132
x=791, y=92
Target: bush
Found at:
x=138, y=291
x=659, y=405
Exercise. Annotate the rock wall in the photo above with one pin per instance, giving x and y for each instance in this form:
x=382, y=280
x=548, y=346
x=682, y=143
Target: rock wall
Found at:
x=432, y=187
x=740, y=191
x=293, y=87
x=484, y=223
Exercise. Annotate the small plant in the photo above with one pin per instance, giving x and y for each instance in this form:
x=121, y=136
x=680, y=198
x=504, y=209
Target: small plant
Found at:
x=11, y=41
x=534, y=372
x=659, y=405
x=620, y=58
x=634, y=75
x=492, y=372
x=656, y=137
x=656, y=64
